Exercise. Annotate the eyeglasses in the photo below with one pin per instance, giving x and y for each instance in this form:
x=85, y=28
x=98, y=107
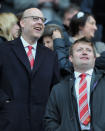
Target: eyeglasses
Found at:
x=36, y=18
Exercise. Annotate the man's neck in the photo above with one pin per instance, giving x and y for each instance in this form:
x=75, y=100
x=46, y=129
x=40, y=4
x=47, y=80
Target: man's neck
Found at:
x=83, y=71
x=30, y=41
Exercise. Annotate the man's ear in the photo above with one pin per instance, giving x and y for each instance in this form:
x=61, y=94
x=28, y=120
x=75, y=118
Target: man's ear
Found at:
x=70, y=58
x=22, y=23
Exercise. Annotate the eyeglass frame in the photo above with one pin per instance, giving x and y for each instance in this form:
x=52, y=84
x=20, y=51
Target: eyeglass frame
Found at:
x=36, y=18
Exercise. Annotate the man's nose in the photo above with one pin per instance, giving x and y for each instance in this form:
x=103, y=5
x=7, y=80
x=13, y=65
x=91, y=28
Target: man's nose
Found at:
x=84, y=52
x=95, y=27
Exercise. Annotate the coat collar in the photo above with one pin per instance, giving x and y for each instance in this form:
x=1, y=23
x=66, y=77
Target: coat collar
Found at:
x=96, y=76
x=20, y=53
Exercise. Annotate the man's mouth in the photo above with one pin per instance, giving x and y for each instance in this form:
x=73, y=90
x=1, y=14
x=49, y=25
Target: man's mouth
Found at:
x=38, y=28
x=84, y=58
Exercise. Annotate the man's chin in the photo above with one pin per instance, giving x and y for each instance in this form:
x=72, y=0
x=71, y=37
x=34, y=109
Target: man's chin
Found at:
x=84, y=65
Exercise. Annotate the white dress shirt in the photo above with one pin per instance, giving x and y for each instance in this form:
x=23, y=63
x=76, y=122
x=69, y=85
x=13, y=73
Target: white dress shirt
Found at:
x=25, y=44
x=77, y=81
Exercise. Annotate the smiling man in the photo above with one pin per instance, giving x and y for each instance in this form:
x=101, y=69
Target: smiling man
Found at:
x=28, y=70
x=77, y=103
x=32, y=24
x=82, y=56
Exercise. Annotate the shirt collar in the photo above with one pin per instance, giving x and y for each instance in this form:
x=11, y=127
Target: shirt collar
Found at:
x=25, y=44
x=89, y=72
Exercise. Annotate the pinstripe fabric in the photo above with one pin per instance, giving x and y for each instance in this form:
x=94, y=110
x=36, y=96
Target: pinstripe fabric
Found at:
x=83, y=101
x=30, y=56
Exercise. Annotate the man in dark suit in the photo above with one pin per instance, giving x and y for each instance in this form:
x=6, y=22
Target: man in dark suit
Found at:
x=25, y=83
x=78, y=102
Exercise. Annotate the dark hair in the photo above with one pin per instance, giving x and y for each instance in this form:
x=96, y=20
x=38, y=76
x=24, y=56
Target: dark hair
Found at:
x=78, y=20
x=84, y=39
x=48, y=31
x=71, y=9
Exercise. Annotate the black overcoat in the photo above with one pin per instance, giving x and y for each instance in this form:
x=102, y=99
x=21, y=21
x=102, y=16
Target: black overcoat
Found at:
x=24, y=92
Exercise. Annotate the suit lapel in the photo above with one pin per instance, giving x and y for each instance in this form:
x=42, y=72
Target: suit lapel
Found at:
x=40, y=56
x=20, y=53
x=72, y=85
x=72, y=99
x=95, y=79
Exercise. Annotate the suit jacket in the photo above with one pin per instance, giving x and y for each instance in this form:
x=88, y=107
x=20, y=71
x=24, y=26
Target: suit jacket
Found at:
x=61, y=111
x=24, y=92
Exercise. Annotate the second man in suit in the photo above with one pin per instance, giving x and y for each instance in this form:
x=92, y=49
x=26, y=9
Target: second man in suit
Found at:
x=78, y=102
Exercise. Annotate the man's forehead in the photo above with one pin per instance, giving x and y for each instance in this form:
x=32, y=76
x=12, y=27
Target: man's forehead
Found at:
x=83, y=44
x=33, y=12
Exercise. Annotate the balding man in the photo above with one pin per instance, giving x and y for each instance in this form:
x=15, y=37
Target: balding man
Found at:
x=27, y=72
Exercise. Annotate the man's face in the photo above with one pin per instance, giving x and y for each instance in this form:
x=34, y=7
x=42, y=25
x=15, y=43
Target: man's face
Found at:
x=83, y=57
x=33, y=24
x=67, y=17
